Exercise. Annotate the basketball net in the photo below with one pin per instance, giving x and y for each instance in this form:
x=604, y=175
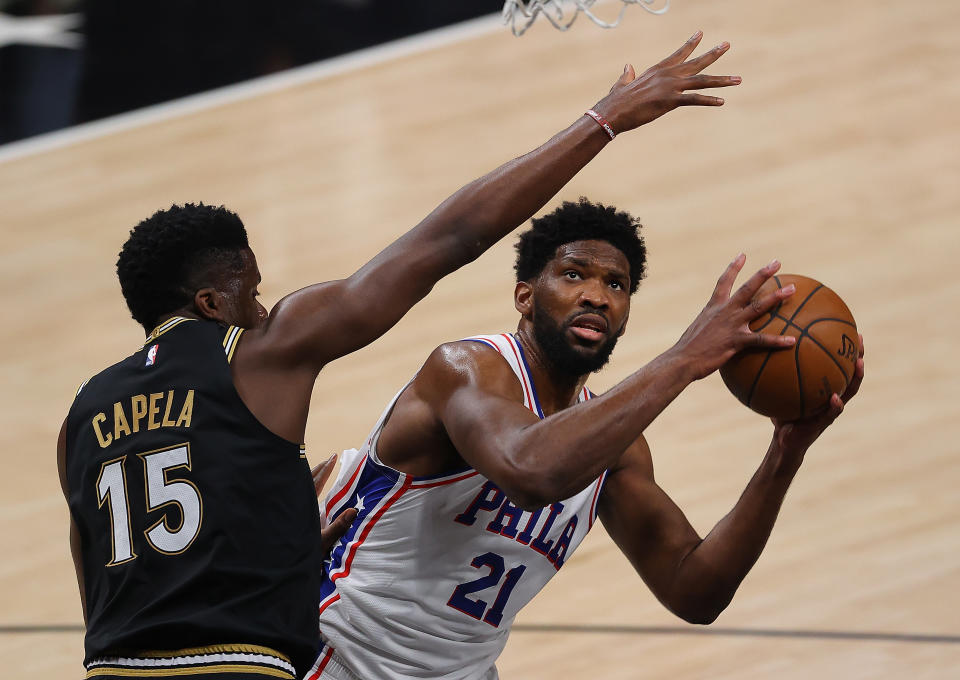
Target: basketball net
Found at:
x=520, y=14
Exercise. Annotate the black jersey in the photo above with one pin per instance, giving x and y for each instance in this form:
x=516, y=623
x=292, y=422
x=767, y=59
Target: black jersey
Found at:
x=198, y=525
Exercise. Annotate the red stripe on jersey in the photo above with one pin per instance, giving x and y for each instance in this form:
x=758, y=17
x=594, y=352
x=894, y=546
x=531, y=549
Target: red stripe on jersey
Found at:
x=326, y=603
x=324, y=660
x=343, y=492
x=487, y=343
x=523, y=374
x=427, y=485
x=366, y=530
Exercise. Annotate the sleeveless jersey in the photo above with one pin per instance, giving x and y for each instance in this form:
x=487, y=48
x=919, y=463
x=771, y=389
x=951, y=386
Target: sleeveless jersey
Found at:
x=428, y=580
x=198, y=526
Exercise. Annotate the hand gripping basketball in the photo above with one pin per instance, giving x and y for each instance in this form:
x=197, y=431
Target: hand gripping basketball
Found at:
x=723, y=327
x=634, y=101
x=799, y=383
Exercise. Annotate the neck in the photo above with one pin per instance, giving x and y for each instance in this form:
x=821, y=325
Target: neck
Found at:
x=556, y=389
x=184, y=313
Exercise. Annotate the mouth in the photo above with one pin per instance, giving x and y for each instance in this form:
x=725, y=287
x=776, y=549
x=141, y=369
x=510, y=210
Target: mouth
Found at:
x=589, y=327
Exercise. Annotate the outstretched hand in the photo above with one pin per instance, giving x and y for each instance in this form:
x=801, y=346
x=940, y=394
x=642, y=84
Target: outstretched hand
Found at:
x=330, y=533
x=636, y=100
x=723, y=327
x=796, y=436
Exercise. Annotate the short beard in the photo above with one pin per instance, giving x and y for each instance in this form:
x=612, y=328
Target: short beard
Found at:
x=562, y=356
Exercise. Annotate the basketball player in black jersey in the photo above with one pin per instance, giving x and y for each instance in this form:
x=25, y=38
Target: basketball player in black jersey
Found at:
x=194, y=525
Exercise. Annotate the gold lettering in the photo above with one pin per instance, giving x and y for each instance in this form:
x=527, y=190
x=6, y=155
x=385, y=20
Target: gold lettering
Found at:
x=166, y=411
x=139, y=405
x=186, y=413
x=120, y=425
x=152, y=423
x=104, y=441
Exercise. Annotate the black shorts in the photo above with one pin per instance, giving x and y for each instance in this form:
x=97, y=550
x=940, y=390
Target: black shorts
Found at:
x=215, y=662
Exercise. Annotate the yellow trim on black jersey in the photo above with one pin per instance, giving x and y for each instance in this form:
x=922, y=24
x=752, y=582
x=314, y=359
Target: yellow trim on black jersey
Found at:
x=230, y=341
x=164, y=327
x=117, y=667
x=214, y=649
x=303, y=451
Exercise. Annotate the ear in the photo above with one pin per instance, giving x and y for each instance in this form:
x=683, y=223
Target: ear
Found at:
x=523, y=298
x=209, y=304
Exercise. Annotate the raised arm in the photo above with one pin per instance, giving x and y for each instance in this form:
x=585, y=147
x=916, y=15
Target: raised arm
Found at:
x=476, y=400
x=321, y=323
x=696, y=578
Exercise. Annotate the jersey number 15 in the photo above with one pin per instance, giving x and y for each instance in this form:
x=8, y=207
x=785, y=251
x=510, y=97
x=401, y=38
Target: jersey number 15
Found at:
x=160, y=491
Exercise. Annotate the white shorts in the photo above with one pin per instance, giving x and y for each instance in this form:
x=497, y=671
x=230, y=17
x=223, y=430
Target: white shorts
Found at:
x=329, y=666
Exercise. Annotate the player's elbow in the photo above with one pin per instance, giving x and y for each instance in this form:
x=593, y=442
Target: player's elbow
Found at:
x=701, y=617
x=701, y=611
x=526, y=497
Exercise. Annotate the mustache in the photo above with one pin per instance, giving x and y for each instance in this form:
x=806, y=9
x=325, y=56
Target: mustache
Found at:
x=587, y=312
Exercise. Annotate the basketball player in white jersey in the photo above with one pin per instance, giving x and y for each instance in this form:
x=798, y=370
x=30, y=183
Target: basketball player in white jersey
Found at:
x=490, y=466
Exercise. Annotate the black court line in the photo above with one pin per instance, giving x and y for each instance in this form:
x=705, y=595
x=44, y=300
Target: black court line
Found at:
x=630, y=630
x=737, y=632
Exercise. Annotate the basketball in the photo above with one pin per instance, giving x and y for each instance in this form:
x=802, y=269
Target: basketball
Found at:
x=797, y=382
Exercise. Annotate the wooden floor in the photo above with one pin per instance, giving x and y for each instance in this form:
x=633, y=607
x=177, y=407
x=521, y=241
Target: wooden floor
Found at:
x=838, y=155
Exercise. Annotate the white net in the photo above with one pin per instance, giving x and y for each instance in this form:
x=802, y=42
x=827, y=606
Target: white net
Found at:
x=520, y=14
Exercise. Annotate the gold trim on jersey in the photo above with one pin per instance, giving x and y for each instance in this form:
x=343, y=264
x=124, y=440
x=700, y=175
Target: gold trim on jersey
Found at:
x=216, y=649
x=164, y=327
x=303, y=451
x=118, y=668
x=230, y=341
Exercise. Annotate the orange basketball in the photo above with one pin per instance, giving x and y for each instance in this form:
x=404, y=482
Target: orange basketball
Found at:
x=798, y=381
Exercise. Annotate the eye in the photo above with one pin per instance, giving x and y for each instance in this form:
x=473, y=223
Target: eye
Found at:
x=616, y=285
x=572, y=274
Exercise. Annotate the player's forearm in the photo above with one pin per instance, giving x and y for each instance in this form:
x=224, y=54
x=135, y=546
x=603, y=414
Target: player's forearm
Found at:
x=487, y=209
x=709, y=576
x=564, y=453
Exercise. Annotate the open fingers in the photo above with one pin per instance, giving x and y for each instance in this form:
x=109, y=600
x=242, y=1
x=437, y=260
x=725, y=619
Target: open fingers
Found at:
x=322, y=472
x=761, y=304
x=627, y=77
x=702, y=82
x=337, y=528
x=705, y=59
x=745, y=293
x=693, y=99
x=684, y=51
x=770, y=341
x=725, y=283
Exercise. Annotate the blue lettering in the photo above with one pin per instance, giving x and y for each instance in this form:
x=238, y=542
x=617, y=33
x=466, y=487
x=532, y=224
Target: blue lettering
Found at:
x=497, y=526
x=489, y=498
x=559, y=552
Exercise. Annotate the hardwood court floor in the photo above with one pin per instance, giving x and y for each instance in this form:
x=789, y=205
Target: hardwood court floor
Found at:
x=838, y=155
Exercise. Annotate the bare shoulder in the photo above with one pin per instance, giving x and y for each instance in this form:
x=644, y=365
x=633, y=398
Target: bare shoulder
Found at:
x=468, y=364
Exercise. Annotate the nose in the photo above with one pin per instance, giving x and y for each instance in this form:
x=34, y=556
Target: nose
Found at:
x=594, y=294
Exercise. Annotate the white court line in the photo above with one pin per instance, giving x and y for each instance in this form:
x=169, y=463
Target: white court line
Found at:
x=248, y=89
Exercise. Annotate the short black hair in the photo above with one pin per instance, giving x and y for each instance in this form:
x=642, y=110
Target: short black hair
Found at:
x=161, y=265
x=581, y=221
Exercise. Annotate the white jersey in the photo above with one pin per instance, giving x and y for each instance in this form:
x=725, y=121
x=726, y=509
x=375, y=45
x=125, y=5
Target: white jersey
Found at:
x=428, y=580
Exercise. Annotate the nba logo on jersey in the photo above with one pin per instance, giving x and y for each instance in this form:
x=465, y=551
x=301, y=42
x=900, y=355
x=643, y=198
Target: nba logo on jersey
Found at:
x=152, y=355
